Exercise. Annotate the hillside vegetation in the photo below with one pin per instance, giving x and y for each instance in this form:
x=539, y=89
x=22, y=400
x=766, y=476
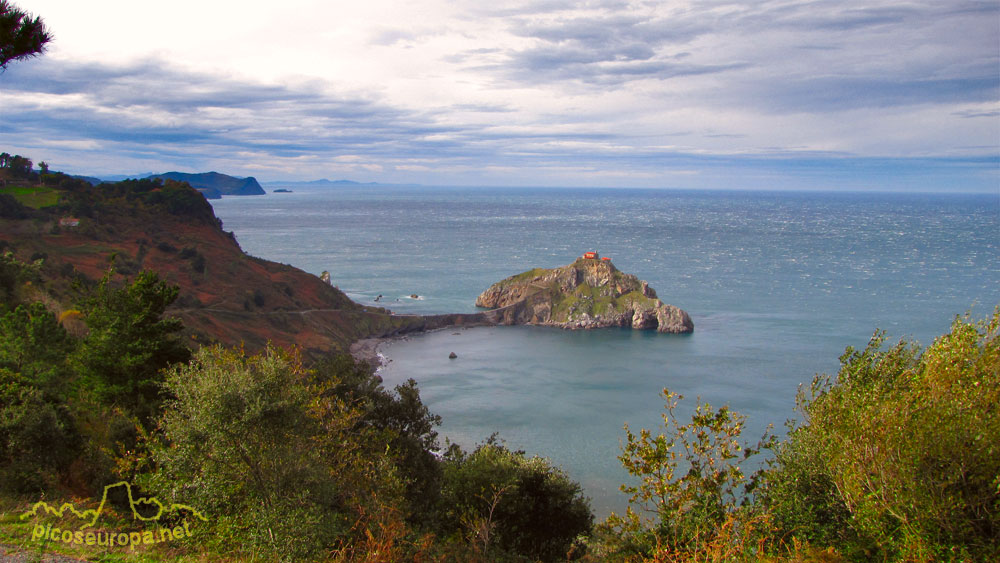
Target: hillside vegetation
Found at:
x=224, y=295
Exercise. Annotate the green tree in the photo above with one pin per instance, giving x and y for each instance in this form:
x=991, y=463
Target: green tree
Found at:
x=37, y=439
x=402, y=424
x=129, y=342
x=898, y=457
x=19, y=166
x=687, y=504
x=508, y=506
x=21, y=35
x=276, y=462
x=13, y=274
x=35, y=345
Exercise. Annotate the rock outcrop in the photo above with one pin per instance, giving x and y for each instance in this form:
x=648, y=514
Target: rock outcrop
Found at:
x=589, y=293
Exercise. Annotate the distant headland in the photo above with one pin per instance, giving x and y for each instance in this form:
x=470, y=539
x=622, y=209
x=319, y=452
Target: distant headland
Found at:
x=589, y=293
x=214, y=185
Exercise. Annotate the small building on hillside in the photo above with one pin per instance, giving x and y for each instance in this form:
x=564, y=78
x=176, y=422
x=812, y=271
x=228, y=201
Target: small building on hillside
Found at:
x=590, y=255
x=606, y=258
x=69, y=222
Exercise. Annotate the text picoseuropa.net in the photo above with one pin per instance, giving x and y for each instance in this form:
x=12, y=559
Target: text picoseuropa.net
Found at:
x=110, y=539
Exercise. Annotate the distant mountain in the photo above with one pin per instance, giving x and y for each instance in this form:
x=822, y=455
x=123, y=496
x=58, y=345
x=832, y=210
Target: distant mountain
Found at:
x=214, y=185
x=90, y=179
x=120, y=177
x=324, y=183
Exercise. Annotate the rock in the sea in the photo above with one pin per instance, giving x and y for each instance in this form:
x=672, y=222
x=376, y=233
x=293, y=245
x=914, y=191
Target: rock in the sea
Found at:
x=452, y=356
x=589, y=293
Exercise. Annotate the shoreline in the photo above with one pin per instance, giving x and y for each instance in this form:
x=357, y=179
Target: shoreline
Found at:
x=367, y=350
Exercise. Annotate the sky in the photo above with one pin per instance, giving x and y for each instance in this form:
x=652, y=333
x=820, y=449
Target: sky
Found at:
x=783, y=94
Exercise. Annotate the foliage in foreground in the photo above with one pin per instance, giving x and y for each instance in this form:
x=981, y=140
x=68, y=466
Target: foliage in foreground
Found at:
x=509, y=505
x=278, y=465
x=129, y=342
x=21, y=35
x=289, y=462
x=897, y=458
x=687, y=501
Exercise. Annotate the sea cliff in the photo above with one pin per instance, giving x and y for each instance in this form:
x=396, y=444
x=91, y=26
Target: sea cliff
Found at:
x=589, y=293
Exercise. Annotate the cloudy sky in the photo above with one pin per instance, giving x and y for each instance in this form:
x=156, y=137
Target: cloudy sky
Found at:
x=784, y=94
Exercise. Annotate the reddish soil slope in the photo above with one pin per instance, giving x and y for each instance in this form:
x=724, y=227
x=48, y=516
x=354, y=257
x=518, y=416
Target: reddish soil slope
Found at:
x=225, y=295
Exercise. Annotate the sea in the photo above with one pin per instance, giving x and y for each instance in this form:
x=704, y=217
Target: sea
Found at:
x=778, y=285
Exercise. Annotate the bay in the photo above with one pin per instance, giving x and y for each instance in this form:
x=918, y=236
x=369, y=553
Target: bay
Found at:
x=777, y=283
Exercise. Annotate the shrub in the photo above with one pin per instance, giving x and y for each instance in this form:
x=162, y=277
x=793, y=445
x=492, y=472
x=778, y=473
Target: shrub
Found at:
x=198, y=265
x=508, y=505
x=13, y=274
x=165, y=246
x=10, y=208
x=36, y=436
x=34, y=344
x=691, y=484
x=898, y=457
x=273, y=461
x=399, y=421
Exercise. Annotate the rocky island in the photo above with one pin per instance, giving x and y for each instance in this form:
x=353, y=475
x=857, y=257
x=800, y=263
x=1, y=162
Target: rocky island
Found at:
x=589, y=293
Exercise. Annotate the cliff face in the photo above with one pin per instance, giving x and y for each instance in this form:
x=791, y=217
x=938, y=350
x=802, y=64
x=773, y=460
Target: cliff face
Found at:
x=588, y=293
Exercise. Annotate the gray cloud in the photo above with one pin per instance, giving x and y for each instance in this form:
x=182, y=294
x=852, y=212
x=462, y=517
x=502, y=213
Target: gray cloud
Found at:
x=810, y=55
x=151, y=103
x=608, y=48
x=650, y=89
x=972, y=114
x=186, y=119
x=833, y=94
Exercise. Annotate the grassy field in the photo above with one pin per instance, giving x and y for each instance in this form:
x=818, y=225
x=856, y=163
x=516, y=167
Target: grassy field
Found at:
x=32, y=196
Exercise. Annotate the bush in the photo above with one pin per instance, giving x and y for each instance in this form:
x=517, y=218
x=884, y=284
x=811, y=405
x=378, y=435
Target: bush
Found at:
x=13, y=274
x=35, y=345
x=37, y=440
x=166, y=247
x=273, y=461
x=401, y=422
x=508, y=505
x=10, y=208
x=198, y=265
x=692, y=485
x=898, y=458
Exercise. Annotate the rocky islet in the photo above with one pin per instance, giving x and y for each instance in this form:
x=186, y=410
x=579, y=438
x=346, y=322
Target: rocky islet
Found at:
x=589, y=293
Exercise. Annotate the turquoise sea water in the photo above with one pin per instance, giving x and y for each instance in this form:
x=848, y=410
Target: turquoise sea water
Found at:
x=778, y=284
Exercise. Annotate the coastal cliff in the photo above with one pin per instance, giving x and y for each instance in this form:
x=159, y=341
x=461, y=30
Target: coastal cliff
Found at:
x=589, y=293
